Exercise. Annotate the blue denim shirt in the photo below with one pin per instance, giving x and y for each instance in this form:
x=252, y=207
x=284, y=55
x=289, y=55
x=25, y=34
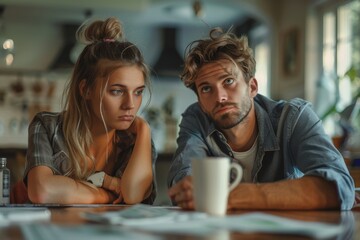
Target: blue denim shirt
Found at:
x=291, y=143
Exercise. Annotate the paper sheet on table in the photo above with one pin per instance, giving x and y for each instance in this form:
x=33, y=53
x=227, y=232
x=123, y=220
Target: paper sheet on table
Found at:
x=172, y=221
x=9, y=215
x=80, y=232
x=141, y=214
x=260, y=222
x=251, y=223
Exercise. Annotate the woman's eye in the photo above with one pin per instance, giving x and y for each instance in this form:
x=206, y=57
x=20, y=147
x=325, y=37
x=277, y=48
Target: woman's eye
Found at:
x=229, y=81
x=117, y=92
x=205, y=89
x=139, y=92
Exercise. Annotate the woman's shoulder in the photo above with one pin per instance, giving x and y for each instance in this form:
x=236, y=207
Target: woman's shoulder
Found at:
x=48, y=116
x=47, y=119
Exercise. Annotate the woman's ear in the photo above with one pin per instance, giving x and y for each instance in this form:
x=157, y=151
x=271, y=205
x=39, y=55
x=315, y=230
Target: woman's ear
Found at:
x=84, y=90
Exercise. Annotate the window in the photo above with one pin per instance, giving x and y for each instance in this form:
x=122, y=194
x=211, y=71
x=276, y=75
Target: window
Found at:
x=261, y=49
x=261, y=57
x=340, y=51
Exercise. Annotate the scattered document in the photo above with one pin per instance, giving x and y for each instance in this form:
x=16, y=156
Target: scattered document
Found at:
x=10, y=215
x=80, y=232
x=142, y=214
x=162, y=220
x=267, y=223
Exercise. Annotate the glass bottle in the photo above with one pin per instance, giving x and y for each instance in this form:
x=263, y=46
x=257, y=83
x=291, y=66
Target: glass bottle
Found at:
x=4, y=182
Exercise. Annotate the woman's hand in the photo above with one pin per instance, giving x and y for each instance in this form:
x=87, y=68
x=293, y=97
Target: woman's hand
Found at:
x=113, y=184
x=138, y=125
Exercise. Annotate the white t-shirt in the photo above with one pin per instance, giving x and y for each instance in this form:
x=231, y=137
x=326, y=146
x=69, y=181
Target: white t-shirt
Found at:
x=246, y=160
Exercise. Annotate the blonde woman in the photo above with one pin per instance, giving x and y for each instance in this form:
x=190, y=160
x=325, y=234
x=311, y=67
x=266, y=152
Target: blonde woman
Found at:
x=97, y=150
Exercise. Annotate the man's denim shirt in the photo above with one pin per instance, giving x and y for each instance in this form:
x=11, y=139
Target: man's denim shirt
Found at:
x=289, y=146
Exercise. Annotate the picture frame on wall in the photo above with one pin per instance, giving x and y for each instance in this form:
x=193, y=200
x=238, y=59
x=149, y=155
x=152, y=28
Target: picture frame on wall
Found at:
x=290, y=52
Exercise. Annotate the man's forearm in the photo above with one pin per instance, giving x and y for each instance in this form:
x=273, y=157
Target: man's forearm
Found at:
x=309, y=192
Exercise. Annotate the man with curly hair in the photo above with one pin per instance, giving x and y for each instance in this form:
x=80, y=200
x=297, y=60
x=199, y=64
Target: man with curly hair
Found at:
x=288, y=160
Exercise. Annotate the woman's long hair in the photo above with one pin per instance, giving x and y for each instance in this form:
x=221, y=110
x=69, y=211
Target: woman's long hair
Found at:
x=106, y=50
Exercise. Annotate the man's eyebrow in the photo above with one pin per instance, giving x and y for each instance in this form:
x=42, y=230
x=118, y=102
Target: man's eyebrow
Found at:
x=223, y=76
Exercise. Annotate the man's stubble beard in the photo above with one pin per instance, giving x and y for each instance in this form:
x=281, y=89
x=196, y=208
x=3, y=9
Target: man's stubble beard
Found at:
x=230, y=120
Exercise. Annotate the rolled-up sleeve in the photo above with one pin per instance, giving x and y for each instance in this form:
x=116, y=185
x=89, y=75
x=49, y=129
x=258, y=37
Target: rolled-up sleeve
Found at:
x=315, y=155
x=40, y=151
x=191, y=143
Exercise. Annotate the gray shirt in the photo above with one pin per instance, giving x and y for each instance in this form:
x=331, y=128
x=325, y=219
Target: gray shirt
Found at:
x=47, y=148
x=291, y=143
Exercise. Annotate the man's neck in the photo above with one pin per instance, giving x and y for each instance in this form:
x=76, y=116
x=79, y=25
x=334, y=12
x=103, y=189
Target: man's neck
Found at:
x=242, y=137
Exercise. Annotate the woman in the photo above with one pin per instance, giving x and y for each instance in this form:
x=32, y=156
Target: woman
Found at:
x=97, y=150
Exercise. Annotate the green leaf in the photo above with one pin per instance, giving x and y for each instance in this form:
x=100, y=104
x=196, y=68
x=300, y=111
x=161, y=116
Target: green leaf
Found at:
x=351, y=73
x=330, y=111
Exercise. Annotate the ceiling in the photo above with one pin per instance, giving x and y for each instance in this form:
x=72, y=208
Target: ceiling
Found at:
x=37, y=26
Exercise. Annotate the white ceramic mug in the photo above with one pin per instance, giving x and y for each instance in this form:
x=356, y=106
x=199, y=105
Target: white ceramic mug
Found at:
x=211, y=183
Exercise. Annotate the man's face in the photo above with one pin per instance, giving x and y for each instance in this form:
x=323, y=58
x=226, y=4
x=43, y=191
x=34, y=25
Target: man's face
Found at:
x=223, y=93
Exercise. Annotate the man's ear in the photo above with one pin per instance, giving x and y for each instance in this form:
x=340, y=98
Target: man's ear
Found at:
x=253, y=87
x=84, y=90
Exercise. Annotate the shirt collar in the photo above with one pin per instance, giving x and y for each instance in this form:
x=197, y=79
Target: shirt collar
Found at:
x=266, y=136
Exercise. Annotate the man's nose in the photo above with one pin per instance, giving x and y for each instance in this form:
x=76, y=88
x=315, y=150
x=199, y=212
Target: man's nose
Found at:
x=221, y=95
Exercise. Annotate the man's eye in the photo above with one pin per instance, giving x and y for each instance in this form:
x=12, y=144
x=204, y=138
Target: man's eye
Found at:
x=229, y=81
x=117, y=92
x=205, y=89
x=139, y=92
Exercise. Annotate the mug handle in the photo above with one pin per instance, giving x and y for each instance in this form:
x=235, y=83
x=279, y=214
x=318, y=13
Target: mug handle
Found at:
x=239, y=173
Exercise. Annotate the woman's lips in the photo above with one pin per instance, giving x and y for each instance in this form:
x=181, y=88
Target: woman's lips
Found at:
x=126, y=118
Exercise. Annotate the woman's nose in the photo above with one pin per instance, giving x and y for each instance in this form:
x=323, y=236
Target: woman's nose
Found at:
x=128, y=102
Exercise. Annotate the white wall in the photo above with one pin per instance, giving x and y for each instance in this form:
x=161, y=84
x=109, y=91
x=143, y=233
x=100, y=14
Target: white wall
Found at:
x=16, y=110
x=278, y=15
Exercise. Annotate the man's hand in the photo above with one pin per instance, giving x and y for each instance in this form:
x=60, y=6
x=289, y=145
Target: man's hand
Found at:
x=182, y=193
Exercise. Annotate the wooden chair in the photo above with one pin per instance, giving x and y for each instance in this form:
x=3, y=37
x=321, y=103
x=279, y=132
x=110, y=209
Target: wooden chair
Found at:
x=19, y=194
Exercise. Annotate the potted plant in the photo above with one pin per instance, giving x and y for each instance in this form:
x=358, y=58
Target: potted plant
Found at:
x=346, y=118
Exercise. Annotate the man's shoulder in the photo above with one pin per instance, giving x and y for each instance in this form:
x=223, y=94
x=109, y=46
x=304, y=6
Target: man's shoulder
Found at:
x=298, y=103
x=194, y=110
x=194, y=107
x=271, y=105
x=195, y=118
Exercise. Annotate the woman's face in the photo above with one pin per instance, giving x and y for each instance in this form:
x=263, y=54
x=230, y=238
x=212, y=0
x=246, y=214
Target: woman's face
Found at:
x=115, y=102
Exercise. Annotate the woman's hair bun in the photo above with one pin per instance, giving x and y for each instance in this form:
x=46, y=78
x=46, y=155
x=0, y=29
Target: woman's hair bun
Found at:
x=108, y=30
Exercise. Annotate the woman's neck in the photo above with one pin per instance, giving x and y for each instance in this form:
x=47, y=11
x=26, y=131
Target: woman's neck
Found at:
x=102, y=149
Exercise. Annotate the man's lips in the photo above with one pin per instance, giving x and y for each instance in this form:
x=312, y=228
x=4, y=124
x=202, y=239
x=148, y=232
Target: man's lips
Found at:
x=223, y=109
x=126, y=117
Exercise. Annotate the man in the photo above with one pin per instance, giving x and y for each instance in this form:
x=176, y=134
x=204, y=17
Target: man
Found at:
x=288, y=160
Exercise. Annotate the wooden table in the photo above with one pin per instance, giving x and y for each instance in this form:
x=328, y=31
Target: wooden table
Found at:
x=71, y=216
